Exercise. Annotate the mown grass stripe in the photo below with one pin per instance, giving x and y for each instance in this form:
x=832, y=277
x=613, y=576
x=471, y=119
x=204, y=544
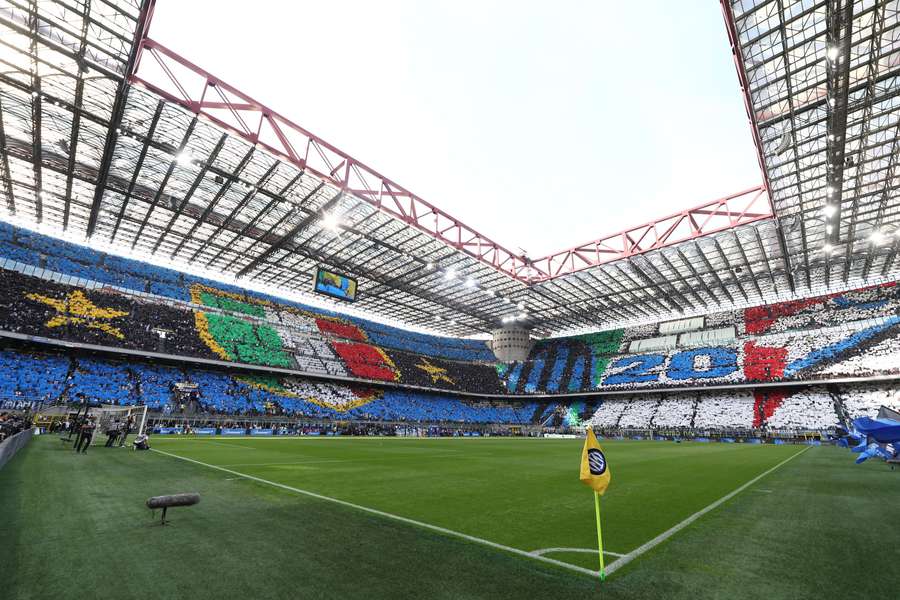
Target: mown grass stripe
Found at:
x=392, y=516
x=673, y=530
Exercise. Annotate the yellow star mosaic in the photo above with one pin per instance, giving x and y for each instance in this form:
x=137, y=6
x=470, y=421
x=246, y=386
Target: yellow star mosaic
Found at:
x=77, y=309
x=437, y=373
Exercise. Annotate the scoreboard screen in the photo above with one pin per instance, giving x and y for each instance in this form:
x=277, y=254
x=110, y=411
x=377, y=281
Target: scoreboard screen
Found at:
x=334, y=285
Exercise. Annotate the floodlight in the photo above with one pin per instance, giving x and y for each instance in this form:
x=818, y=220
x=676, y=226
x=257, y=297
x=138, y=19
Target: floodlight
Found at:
x=331, y=222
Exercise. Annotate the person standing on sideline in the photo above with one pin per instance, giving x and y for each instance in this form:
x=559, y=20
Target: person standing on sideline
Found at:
x=87, y=433
x=111, y=433
x=129, y=423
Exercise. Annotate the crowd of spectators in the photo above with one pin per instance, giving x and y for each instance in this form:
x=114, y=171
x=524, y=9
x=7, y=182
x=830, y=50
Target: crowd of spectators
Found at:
x=106, y=317
x=864, y=400
x=856, y=334
x=803, y=409
x=35, y=378
x=11, y=424
x=37, y=250
x=852, y=334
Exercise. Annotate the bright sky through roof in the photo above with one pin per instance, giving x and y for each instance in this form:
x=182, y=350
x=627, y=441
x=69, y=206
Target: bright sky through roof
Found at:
x=541, y=125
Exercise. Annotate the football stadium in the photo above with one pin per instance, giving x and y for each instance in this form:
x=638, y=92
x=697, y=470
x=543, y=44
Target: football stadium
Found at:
x=238, y=362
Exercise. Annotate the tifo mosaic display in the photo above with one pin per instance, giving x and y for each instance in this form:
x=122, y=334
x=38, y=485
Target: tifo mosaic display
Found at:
x=853, y=334
x=30, y=379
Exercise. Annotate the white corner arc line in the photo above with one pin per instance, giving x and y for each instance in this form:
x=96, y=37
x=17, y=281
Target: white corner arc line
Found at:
x=542, y=551
x=621, y=562
x=394, y=517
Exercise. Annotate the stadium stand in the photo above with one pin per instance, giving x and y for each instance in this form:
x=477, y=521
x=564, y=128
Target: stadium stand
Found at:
x=112, y=303
x=864, y=400
x=46, y=378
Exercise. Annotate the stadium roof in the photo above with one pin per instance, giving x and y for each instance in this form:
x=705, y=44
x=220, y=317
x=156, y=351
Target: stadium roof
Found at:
x=106, y=133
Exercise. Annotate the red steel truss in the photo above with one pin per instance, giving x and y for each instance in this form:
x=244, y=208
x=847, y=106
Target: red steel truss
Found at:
x=725, y=213
x=178, y=80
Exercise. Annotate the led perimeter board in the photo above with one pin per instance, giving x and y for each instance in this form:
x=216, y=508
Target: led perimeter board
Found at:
x=335, y=285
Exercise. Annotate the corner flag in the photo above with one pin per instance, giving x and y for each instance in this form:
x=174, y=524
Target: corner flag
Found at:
x=594, y=468
x=595, y=475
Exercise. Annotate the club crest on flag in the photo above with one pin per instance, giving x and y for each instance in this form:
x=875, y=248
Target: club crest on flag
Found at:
x=596, y=461
x=594, y=470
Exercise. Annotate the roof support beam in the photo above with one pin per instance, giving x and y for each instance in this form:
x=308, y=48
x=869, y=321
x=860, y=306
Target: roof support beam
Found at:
x=288, y=237
x=118, y=111
x=838, y=39
x=715, y=273
x=4, y=164
x=76, y=114
x=204, y=168
x=738, y=57
x=223, y=189
x=697, y=276
x=137, y=169
x=162, y=184
x=298, y=208
x=36, y=127
x=687, y=286
x=254, y=189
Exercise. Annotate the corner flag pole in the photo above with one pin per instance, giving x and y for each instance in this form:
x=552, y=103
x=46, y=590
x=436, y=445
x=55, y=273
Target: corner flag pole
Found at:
x=599, y=536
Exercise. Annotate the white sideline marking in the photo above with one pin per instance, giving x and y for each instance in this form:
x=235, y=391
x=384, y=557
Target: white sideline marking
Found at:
x=388, y=515
x=590, y=550
x=275, y=464
x=334, y=460
x=232, y=446
x=672, y=531
x=614, y=566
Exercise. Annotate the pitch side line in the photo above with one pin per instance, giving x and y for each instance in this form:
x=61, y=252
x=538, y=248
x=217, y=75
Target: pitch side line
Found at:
x=670, y=532
x=388, y=515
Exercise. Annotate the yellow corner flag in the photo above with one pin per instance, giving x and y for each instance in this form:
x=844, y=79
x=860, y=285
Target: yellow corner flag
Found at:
x=594, y=468
x=595, y=474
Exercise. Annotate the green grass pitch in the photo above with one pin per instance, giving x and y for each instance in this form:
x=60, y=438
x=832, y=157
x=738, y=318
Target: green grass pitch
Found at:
x=816, y=526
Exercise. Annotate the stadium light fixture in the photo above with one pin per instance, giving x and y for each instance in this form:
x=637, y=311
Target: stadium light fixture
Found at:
x=832, y=53
x=332, y=222
x=829, y=209
x=827, y=249
x=877, y=237
x=184, y=158
x=829, y=229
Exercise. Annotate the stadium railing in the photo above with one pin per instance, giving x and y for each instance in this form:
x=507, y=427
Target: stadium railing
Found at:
x=10, y=446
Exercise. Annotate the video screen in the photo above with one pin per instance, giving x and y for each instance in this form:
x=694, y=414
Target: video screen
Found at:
x=335, y=285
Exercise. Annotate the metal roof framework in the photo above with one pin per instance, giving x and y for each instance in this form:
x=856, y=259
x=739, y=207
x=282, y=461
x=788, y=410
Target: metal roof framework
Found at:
x=822, y=92
x=107, y=133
